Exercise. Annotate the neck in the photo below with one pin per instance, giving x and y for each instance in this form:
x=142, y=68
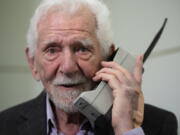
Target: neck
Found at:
x=68, y=123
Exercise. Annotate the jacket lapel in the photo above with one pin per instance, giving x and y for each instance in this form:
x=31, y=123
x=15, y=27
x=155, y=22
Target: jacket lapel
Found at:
x=32, y=119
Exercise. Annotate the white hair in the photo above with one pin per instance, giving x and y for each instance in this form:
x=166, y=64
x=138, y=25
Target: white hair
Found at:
x=97, y=7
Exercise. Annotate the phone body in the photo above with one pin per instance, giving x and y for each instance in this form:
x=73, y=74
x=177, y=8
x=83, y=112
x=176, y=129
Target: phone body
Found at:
x=99, y=101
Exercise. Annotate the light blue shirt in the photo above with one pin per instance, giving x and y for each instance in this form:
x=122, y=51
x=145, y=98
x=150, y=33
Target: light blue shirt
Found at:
x=53, y=130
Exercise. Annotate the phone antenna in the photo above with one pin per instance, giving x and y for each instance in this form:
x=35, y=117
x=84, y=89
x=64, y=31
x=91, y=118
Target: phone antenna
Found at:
x=155, y=40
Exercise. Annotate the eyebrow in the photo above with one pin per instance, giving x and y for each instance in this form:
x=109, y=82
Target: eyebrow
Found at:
x=47, y=42
x=86, y=42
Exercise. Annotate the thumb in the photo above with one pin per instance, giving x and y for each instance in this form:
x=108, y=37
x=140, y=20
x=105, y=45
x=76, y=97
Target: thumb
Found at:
x=138, y=68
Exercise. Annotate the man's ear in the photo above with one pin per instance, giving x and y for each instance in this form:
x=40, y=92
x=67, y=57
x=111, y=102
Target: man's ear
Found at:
x=32, y=65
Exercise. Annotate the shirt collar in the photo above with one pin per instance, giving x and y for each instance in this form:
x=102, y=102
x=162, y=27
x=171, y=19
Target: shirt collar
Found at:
x=50, y=115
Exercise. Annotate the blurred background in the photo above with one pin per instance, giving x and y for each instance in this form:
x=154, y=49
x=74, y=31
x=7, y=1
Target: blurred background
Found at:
x=134, y=24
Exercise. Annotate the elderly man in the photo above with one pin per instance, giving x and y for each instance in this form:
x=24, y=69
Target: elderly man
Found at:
x=69, y=42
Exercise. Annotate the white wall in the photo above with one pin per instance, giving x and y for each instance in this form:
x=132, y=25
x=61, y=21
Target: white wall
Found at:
x=134, y=24
x=16, y=83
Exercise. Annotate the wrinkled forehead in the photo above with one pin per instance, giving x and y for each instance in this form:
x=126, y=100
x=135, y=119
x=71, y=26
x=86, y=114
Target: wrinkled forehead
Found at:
x=81, y=19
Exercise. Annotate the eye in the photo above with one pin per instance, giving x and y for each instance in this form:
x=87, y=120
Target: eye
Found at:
x=82, y=49
x=83, y=52
x=52, y=50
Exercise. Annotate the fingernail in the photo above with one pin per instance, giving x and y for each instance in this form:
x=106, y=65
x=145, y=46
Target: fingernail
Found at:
x=141, y=58
x=94, y=78
x=102, y=62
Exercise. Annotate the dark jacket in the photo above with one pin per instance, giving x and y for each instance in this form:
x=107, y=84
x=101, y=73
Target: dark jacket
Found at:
x=30, y=119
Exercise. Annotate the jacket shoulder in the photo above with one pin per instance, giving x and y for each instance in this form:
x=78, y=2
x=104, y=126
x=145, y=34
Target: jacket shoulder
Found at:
x=158, y=121
x=12, y=111
x=12, y=117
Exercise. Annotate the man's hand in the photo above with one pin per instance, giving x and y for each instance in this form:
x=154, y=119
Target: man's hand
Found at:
x=128, y=104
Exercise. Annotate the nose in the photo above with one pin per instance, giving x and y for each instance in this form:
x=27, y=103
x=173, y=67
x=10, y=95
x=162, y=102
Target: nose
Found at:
x=69, y=64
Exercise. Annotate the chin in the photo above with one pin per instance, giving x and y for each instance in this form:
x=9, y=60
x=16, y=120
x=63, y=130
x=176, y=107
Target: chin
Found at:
x=63, y=99
x=68, y=108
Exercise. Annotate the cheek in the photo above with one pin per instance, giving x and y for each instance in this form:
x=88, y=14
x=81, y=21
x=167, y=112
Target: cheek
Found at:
x=89, y=68
x=47, y=70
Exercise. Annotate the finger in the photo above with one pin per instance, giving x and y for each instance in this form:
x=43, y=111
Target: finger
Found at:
x=96, y=78
x=116, y=66
x=118, y=74
x=113, y=82
x=138, y=69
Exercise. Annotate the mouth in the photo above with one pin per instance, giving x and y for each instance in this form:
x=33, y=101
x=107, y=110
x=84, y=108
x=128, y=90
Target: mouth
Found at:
x=69, y=86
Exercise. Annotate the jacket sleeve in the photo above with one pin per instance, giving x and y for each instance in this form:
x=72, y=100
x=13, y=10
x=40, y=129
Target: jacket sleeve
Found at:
x=170, y=125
